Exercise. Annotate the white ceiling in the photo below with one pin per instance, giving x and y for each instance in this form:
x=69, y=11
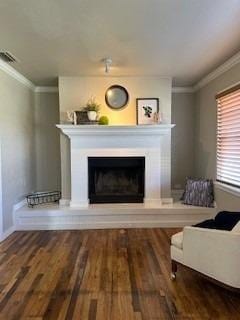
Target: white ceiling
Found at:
x=184, y=39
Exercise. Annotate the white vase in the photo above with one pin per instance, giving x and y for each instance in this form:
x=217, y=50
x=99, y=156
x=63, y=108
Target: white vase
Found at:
x=92, y=115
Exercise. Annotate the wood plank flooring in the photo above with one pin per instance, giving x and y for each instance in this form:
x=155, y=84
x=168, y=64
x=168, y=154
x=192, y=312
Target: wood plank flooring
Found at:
x=103, y=275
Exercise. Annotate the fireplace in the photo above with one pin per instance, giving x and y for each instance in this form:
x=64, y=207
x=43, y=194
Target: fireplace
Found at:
x=116, y=179
x=153, y=143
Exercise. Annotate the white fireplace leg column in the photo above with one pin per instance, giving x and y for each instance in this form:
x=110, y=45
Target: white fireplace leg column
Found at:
x=79, y=179
x=153, y=178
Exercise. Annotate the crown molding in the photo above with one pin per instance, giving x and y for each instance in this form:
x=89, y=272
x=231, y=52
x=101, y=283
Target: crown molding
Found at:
x=182, y=89
x=16, y=75
x=227, y=65
x=46, y=89
x=19, y=77
x=189, y=89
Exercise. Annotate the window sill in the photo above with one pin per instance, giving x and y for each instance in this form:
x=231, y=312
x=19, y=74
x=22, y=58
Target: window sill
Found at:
x=224, y=187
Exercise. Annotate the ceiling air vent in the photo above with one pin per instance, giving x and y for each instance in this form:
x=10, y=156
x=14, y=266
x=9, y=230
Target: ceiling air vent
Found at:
x=7, y=57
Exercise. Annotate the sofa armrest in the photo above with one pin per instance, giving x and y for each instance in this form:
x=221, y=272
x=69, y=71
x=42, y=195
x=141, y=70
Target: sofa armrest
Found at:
x=215, y=253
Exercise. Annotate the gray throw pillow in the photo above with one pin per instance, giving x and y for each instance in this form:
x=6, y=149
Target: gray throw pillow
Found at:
x=199, y=192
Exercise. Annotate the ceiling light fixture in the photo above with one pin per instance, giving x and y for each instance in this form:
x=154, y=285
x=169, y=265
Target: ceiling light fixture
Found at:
x=107, y=62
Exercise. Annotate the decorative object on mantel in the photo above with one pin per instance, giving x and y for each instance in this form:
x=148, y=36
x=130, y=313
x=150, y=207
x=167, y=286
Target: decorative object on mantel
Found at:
x=79, y=117
x=41, y=197
x=92, y=108
x=82, y=118
x=116, y=97
x=87, y=115
x=148, y=111
x=103, y=120
x=71, y=116
x=157, y=117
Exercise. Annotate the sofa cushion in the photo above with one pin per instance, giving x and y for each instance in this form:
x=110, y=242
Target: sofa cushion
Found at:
x=177, y=240
x=199, y=192
x=237, y=228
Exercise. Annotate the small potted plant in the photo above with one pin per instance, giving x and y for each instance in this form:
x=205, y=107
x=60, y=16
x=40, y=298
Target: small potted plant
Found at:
x=92, y=109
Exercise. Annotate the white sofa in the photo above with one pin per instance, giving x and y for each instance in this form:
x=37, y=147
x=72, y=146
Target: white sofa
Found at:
x=213, y=253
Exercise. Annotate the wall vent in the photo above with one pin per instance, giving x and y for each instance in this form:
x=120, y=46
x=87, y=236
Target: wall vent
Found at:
x=6, y=56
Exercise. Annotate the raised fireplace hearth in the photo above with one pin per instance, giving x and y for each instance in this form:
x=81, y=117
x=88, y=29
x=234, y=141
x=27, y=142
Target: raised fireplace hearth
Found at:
x=116, y=179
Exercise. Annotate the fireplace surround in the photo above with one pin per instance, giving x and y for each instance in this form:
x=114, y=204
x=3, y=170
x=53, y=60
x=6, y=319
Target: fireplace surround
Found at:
x=116, y=179
x=150, y=142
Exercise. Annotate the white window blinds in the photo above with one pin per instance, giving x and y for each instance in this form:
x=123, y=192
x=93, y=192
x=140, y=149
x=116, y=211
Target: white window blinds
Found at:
x=228, y=137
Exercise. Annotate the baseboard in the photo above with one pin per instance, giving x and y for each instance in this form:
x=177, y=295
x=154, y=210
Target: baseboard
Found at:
x=10, y=230
x=19, y=205
x=7, y=233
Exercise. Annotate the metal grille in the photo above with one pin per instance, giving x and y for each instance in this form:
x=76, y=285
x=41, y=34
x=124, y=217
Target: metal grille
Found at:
x=36, y=198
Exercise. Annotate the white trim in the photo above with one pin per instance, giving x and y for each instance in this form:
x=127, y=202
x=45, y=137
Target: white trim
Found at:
x=10, y=230
x=19, y=77
x=7, y=233
x=218, y=71
x=67, y=202
x=229, y=87
x=183, y=90
x=227, y=65
x=79, y=204
x=123, y=130
x=54, y=217
x=19, y=205
x=46, y=89
x=16, y=75
x=108, y=225
x=229, y=189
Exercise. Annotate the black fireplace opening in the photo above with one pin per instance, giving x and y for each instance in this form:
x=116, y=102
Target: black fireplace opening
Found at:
x=116, y=179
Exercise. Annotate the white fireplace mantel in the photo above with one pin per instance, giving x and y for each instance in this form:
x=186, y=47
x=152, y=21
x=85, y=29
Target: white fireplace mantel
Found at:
x=150, y=141
x=73, y=130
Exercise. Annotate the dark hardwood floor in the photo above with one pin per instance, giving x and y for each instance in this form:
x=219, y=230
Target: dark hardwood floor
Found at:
x=103, y=274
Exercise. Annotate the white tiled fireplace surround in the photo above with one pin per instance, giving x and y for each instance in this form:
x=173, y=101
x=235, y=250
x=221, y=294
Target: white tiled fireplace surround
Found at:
x=152, y=142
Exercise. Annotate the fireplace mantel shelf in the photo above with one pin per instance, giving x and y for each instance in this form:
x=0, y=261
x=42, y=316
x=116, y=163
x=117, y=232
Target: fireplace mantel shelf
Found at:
x=76, y=130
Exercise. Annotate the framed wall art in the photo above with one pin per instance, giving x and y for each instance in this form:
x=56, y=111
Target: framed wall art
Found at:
x=147, y=110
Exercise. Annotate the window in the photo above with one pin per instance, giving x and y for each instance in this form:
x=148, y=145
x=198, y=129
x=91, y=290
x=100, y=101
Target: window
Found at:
x=228, y=137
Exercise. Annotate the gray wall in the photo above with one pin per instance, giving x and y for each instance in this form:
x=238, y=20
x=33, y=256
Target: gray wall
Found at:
x=183, y=115
x=206, y=115
x=30, y=146
x=47, y=142
x=17, y=139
